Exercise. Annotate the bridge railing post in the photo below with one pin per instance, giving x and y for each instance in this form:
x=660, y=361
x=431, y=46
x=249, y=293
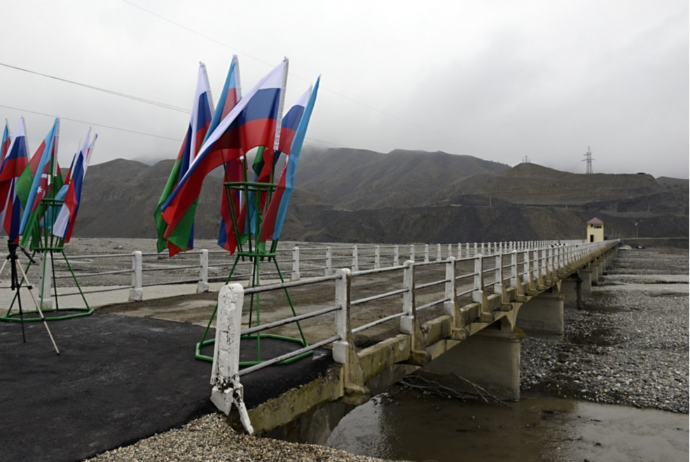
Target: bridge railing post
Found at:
x=407, y=321
x=342, y=316
x=329, y=261
x=426, y=253
x=377, y=257
x=412, y=252
x=438, y=252
x=355, y=259
x=136, y=293
x=449, y=305
x=459, y=251
x=514, y=274
x=396, y=255
x=295, y=264
x=482, y=251
x=550, y=267
x=527, y=276
x=202, y=285
x=499, y=277
x=450, y=250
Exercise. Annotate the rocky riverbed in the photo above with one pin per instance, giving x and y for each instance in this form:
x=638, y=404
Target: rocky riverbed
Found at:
x=210, y=439
x=628, y=344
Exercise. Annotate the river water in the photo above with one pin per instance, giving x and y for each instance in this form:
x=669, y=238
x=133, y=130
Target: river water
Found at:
x=429, y=428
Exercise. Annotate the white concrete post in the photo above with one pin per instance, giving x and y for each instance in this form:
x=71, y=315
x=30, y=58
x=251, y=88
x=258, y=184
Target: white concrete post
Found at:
x=478, y=293
x=203, y=286
x=438, y=252
x=498, y=275
x=329, y=261
x=136, y=293
x=295, y=264
x=355, y=259
x=527, y=277
x=377, y=257
x=407, y=320
x=412, y=252
x=227, y=389
x=449, y=305
x=342, y=316
x=535, y=267
x=543, y=267
x=396, y=256
x=514, y=279
x=467, y=250
x=450, y=250
x=459, y=251
x=45, y=280
x=426, y=253
x=482, y=249
x=550, y=265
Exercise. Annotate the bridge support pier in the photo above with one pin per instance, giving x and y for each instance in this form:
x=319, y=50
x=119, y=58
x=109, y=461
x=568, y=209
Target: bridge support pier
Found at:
x=571, y=289
x=489, y=358
x=543, y=313
x=585, y=274
x=597, y=271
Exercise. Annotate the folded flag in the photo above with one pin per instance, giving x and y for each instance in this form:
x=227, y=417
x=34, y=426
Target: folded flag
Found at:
x=64, y=224
x=252, y=122
x=13, y=165
x=202, y=111
x=272, y=225
x=43, y=183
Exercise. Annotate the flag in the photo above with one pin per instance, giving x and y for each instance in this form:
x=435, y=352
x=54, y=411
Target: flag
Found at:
x=232, y=170
x=6, y=141
x=252, y=122
x=275, y=216
x=64, y=224
x=43, y=183
x=13, y=165
x=202, y=111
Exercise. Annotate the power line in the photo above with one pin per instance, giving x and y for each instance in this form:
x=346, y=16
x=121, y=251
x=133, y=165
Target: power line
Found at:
x=104, y=90
x=92, y=123
x=399, y=119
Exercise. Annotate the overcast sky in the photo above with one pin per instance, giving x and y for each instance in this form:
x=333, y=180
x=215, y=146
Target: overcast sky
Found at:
x=499, y=80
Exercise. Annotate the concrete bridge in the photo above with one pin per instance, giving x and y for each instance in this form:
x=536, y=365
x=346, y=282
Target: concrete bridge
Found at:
x=458, y=315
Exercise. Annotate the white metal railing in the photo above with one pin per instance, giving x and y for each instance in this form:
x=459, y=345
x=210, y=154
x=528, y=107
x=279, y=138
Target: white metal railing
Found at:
x=201, y=267
x=540, y=265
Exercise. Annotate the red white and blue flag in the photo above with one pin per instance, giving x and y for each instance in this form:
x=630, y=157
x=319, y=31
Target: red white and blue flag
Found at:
x=13, y=164
x=252, y=122
x=64, y=224
x=272, y=225
x=232, y=170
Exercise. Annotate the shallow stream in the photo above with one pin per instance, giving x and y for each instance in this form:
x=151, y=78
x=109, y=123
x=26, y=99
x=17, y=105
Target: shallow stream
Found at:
x=429, y=428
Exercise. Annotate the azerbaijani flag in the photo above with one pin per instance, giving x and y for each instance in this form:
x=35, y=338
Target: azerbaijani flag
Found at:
x=64, y=224
x=13, y=165
x=6, y=141
x=43, y=182
x=252, y=122
x=202, y=111
x=277, y=209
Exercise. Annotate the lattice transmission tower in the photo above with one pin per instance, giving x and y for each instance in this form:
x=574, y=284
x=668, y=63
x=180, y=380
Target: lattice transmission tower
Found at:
x=588, y=159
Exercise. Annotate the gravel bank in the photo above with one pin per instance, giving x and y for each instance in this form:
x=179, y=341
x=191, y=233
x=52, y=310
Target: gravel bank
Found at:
x=210, y=439
x=629, y=342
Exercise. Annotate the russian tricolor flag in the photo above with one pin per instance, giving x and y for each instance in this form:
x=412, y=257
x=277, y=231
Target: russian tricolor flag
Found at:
x=13, y=165
x=277, y=209
x=64, y=224
x=252, y=122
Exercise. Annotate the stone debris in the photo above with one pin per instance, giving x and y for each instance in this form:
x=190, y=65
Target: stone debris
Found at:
x=211, y=439
x=629, y=342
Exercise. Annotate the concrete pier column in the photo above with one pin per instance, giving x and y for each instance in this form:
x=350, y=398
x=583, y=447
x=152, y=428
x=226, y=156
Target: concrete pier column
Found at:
x=543, y=313
x=596, y=272
x=571, y=289
x=489, y=358
x=585, y=274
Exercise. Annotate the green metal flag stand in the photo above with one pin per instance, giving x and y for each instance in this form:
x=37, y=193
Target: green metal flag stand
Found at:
x=44, y=242
x=256, y=253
